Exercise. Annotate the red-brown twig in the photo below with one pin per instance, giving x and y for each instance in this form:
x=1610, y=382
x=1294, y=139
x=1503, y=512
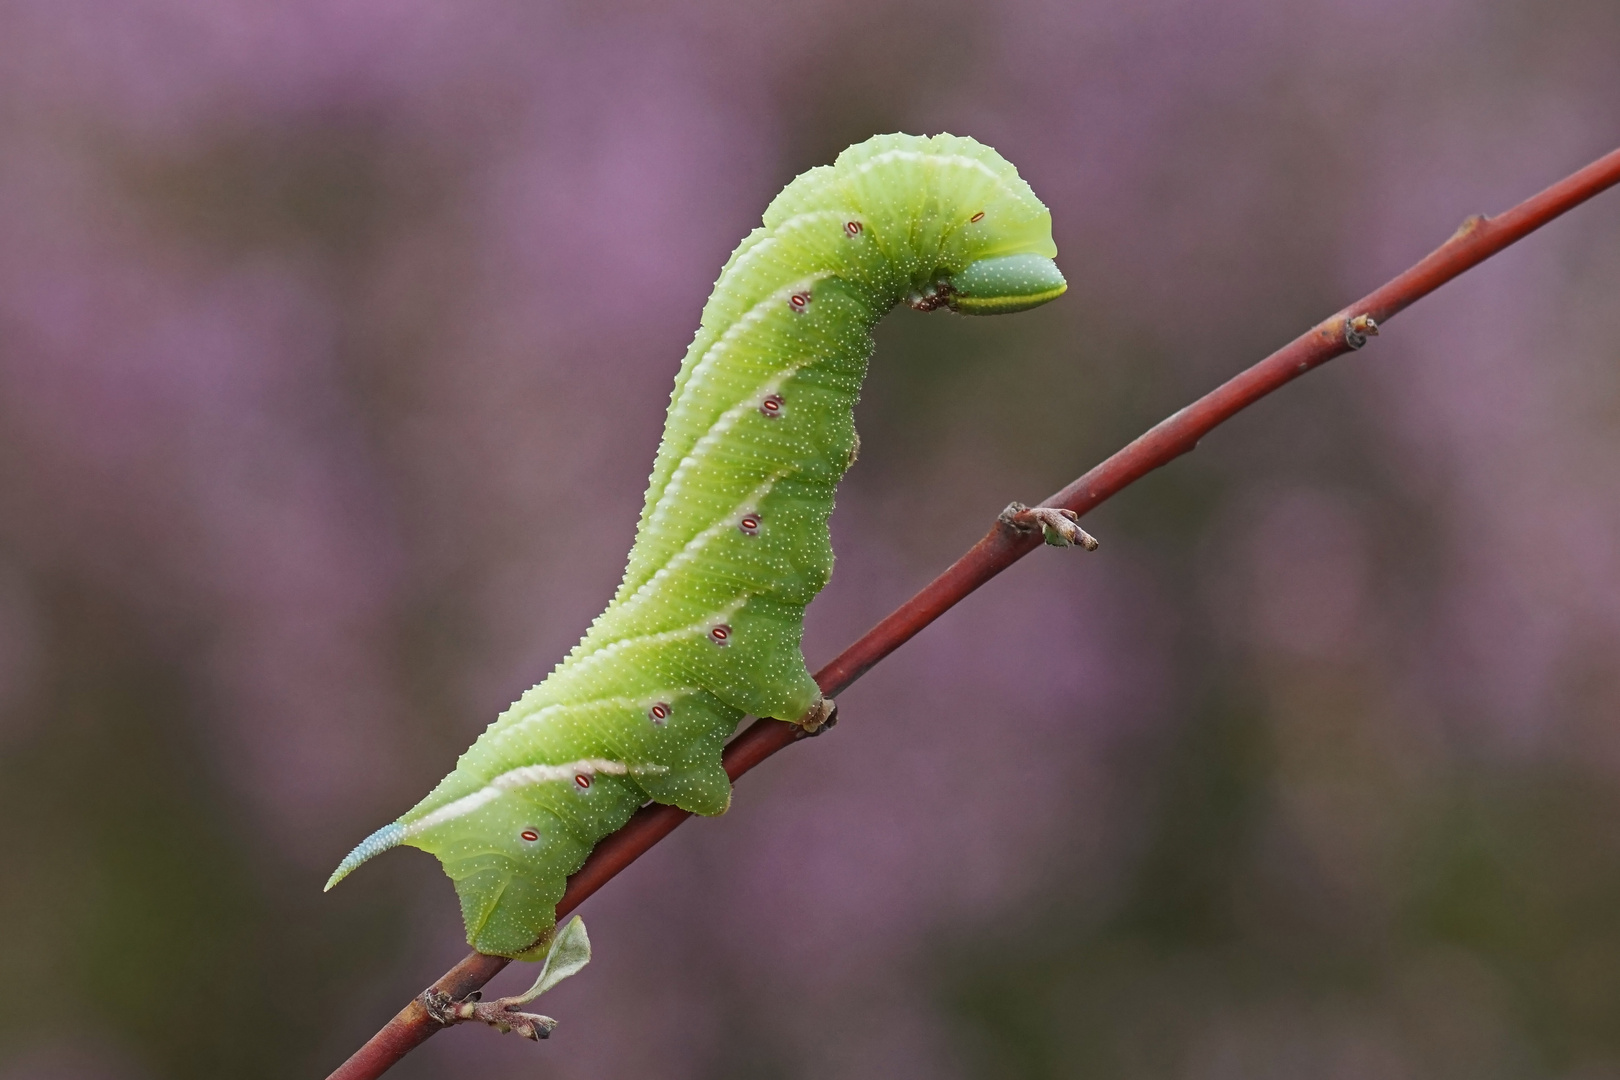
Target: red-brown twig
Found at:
x=1010, y=540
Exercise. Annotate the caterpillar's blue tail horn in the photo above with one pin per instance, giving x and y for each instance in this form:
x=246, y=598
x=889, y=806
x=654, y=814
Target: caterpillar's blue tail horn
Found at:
x=378, y=842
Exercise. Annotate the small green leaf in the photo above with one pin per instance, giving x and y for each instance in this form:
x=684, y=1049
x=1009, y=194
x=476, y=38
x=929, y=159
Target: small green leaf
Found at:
x=570, y=951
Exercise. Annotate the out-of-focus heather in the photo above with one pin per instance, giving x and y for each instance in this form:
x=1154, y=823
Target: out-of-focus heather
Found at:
x=334, y=344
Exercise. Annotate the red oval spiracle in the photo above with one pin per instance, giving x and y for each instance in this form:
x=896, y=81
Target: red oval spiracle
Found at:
x=799, y=301
x=977, y=217
x=749, y=524
x=659, y=712
x=582, y=781
x=852, y=228
x=772, y=406
x=721, y=635
x=530, y=835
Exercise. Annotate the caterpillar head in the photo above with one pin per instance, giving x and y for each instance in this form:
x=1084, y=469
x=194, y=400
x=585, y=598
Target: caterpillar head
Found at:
x=1004, y=284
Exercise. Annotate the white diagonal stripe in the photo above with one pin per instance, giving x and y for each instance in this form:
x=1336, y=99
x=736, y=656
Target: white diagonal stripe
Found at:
x=694, y=547
x=527, y=776
x=644, y=702
x=577, y=660
x=755, y=314
x=711, y=438
x=773, y=238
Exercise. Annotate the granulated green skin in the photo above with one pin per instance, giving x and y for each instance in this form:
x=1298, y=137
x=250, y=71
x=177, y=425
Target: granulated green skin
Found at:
x=732, y=543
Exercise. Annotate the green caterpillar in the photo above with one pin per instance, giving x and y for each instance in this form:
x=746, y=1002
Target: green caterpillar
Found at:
x=732, y=542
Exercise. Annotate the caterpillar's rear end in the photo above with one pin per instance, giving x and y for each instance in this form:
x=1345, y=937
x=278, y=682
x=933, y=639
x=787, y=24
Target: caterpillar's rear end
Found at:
x=733, y=542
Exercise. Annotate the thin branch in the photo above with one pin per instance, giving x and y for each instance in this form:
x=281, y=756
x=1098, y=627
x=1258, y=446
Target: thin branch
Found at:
x=1007, y=541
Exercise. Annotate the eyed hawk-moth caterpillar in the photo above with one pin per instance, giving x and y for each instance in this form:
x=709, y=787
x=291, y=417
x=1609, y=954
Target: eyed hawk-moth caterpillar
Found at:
x=732, y=542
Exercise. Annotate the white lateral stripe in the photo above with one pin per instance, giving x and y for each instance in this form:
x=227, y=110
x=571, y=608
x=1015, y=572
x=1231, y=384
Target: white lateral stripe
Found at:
x=450, y=811
x=528, y=776
x=638, y=703
x=705, y=363
x=702, y=626
x=772, y=238
x=711, y=438
x=748, y=318
x=694, y=547
x=678, y=477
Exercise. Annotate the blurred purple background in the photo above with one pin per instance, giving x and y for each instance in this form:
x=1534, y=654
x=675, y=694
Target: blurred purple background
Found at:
x=334, y=345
